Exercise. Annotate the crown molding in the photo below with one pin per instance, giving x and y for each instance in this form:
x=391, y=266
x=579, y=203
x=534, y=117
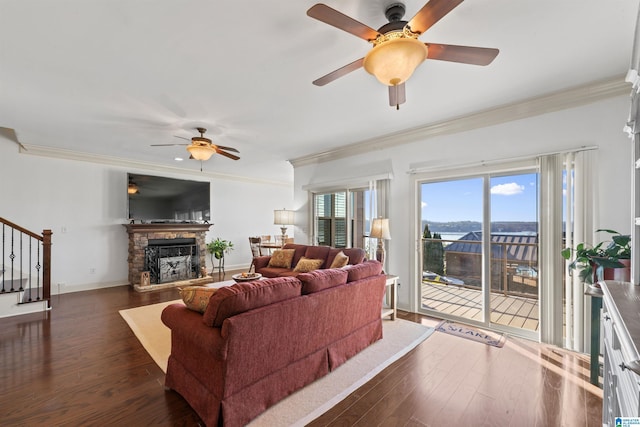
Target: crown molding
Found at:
x=560, y=100
x=58, y=153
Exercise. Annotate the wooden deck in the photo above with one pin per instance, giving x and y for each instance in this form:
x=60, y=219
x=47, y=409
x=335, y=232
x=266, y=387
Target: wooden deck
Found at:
x=515, y=311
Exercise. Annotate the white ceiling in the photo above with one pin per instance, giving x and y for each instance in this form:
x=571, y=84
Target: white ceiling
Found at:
x=111, y=77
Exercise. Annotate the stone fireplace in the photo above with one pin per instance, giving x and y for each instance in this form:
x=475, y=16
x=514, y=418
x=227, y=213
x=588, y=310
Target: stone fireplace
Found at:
x=170, y=252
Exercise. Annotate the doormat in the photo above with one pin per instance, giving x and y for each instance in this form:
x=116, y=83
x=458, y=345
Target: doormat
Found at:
x=452, y=328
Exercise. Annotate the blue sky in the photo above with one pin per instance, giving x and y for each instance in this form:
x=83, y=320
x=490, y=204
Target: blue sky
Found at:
x=513, y=198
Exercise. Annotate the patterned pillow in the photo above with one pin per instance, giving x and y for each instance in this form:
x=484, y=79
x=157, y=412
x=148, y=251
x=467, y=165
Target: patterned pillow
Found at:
x=340, y=260
x=196, y=298
x=306, y=265
x=282, y=258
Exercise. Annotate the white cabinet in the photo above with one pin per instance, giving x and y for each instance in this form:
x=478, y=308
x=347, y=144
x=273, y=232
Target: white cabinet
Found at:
x=621, y=375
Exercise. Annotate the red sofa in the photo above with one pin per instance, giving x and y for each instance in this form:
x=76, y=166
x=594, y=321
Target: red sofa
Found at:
x=258, y=342
x=327, y=253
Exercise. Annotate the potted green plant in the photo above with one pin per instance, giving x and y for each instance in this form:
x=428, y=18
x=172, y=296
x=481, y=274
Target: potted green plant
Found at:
x=591, y=261
x=619, y=248
x=217, y=248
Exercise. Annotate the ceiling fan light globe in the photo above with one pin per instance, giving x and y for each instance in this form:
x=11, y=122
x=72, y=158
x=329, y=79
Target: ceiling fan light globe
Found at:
x=394, y=61
x=200, y=152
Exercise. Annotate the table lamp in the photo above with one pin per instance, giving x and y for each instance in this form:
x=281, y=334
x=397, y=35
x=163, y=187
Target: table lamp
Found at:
x=283, y=218
x=380, y=231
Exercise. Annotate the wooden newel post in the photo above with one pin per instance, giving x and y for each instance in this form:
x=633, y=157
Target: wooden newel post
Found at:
x=46, y=266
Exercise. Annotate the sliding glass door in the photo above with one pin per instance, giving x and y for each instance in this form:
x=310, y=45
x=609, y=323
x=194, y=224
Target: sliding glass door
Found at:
x=479, y=249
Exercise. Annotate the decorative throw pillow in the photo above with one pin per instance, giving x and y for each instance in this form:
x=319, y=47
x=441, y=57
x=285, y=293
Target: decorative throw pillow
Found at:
x=282, y=258
x=196, y=298
x=340, y=260
x=306, y=265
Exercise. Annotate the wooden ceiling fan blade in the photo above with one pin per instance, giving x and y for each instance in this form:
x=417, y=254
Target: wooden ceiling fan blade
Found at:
x=339, y=73
x=222, y=147
x=397, y=95
x=330, y=16
x=229, y=155
x=431, y=13
x=464, y=54
x=168, y=145
x=10, y=134
x=182, y=137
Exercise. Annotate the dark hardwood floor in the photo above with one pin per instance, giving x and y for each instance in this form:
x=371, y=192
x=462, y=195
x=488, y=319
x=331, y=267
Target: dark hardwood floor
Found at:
x=80, y=364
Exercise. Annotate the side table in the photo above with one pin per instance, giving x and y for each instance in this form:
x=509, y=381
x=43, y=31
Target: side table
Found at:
x=390, y=297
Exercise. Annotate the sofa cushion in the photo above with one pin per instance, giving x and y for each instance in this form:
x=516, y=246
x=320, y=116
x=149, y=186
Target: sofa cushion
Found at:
x=231, y=300
x=281, y=258
x=317, y=252
x=363, y=270
x=356, y=255
x=339, y=261
x=318, y=280
x=300, y=251
x=196, y=298
x=308, y=264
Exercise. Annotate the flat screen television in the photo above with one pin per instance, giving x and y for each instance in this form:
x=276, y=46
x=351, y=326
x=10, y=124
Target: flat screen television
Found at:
x=160, y=199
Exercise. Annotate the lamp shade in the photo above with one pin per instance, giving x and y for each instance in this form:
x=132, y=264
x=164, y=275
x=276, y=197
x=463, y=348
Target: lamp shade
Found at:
x=395, y=60
x=201, y=152
x=132, y=188
x=380, y=229
x=283, y=217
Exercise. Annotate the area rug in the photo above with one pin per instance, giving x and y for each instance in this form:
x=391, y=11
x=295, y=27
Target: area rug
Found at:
x=489, y=338
x=302, y=407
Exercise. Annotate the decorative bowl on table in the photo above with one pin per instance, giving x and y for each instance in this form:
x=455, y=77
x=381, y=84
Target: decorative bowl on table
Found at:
x=246, y=277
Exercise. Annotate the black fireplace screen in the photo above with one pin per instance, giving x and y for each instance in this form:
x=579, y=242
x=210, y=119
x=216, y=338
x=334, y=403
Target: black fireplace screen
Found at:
x=171, y=260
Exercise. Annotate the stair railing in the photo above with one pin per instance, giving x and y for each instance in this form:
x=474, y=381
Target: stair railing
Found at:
x=23, y=267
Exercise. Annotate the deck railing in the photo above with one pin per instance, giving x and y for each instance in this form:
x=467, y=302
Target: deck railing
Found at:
x=513, y=265
x=25, y=265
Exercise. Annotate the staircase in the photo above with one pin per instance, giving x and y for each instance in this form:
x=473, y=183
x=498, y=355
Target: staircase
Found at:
x=25, y=270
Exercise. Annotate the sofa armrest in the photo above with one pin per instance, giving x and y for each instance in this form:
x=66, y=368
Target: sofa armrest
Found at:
x=191, y=334
x=261, y=261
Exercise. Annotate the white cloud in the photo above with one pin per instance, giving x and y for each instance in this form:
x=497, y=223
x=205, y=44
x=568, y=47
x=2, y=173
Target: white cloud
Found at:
x=510, y=189
x=424, y=205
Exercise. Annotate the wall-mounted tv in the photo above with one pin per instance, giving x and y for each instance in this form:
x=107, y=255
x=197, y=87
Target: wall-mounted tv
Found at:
x=160, y=199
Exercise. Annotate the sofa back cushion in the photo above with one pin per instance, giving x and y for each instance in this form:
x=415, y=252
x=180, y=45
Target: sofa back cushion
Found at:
x=300, y=250
x=363, y=270
x=231, y=300
x=318, y=280
x=356, y=255
x=317, y=252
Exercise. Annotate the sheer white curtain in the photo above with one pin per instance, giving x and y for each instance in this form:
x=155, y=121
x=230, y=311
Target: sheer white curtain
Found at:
x=580, y=171
x=550, y=241
x=584, y=211
x=378, y=207
x=580, y=216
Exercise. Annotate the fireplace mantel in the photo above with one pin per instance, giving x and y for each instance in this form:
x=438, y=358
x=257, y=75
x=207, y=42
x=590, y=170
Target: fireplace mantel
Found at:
x=166, y=227
x=140, y=234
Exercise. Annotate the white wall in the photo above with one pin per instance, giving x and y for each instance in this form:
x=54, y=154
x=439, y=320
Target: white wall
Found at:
x=598, y=124
x=84, y=204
